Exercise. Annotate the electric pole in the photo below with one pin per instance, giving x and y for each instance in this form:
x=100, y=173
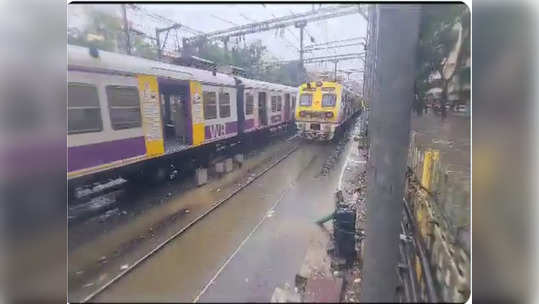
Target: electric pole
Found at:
x=225, y=42
x=158, y=32
x=301, y=25
x=335, y=62
x=126, y=29
x=389, y=128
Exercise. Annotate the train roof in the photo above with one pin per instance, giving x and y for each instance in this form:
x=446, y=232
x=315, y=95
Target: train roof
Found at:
x=259, y=84
x=80, y=57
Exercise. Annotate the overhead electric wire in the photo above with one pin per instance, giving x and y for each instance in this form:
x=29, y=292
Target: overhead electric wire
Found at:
x=224, y=20
x=165, y=19
x=290, y=31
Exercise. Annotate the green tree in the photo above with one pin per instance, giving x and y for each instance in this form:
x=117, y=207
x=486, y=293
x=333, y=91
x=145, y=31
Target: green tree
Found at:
x=250, y=58
x=108, y=29
x=437, y=38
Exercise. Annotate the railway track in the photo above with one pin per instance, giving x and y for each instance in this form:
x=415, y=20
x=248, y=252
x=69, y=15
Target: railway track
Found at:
x=174, y=236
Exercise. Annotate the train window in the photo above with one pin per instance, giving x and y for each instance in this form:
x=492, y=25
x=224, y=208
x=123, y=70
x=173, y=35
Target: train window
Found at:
x=224, y=105
x=279, y=103
x=329, y=100
x=305, y=100
x=210, y=105
x=274, y=103
x=83, y=111
x=249, y=104
x=124, y=107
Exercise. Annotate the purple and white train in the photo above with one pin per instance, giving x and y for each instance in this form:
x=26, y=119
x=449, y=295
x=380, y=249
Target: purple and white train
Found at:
x=125, y=110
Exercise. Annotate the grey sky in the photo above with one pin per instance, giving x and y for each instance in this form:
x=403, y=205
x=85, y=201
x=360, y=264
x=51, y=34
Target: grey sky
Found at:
x=211, y=17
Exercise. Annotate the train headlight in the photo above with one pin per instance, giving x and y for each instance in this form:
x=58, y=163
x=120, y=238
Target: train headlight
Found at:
x=329, y=114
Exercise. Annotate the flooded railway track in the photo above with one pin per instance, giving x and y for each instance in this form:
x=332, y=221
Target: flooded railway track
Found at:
x=175, y=259
x=214, y=206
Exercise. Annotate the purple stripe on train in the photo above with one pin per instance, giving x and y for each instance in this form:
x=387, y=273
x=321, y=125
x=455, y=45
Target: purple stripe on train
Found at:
x=221, y=129
x=88, y=156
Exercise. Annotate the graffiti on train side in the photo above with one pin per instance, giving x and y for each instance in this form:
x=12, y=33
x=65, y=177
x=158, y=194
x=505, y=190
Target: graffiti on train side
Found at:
x=215, y=131
x=220, y=130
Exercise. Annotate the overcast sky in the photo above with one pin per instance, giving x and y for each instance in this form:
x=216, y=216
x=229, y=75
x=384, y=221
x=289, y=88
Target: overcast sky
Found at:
x=211, y=17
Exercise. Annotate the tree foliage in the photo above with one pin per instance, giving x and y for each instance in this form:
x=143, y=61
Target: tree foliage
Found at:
x=437, y=38
x=109, y=28
x=250, y=57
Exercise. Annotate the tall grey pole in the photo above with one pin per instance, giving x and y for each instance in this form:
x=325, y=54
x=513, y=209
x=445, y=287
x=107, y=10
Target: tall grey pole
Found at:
x=335, y=62
x=301, y=45
x=158, y=42
x=126, y=29
x=301, y=25
x=389, y=126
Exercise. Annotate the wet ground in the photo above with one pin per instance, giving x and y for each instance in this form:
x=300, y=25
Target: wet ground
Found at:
x=241, y=251
x=101, y=247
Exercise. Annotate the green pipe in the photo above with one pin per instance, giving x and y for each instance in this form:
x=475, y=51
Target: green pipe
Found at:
x=326, y=218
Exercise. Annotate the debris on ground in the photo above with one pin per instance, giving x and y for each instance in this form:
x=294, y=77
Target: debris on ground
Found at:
x=281, y=295
x=354, y=193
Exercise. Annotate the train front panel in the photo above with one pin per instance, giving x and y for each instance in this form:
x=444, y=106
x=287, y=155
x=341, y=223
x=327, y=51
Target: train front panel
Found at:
x=319, y=110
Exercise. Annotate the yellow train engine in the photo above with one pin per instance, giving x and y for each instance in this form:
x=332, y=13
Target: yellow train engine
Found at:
x=324, y=107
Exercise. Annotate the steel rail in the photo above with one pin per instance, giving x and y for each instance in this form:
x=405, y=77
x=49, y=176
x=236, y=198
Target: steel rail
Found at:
x=185, y=228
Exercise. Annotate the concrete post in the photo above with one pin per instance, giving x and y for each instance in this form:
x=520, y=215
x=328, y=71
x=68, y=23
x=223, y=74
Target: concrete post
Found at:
x=389, y=126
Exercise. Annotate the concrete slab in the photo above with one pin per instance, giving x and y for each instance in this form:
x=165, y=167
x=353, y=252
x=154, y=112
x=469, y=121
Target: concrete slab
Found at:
x=325, y=290
x=201, y=176
x=239, y=158
x=229, y=165
x=220, y=167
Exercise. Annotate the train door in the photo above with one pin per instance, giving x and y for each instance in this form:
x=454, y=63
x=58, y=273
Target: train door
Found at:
x=240, y=108
x=286, y=107
x=293, y=108
x=175, y=112
x=262, y=109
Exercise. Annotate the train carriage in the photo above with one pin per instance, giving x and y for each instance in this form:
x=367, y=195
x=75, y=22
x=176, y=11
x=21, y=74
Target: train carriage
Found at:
x=323, y=109
x=125, y=111
x=268, y=105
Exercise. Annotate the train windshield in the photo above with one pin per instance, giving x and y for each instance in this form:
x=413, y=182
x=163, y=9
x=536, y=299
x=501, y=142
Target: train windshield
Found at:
x=305, y=100
x=329, y=100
